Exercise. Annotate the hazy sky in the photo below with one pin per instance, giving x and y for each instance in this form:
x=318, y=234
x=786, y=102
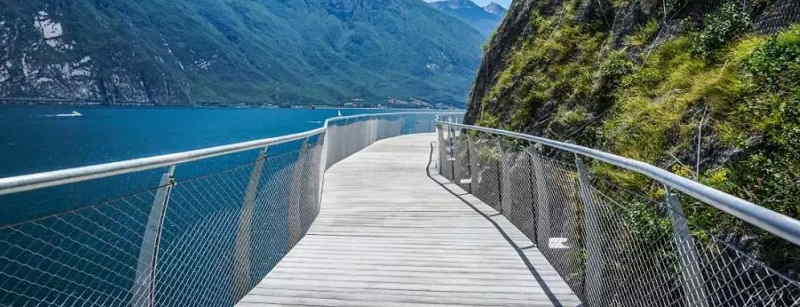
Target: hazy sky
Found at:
x=505, y=3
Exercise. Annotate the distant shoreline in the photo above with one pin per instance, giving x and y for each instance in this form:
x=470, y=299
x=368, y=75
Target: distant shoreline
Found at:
x=76, y=102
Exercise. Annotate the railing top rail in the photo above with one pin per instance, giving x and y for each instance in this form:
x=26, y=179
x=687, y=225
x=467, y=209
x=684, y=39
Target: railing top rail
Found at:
x=29, y=182
x=771, y=221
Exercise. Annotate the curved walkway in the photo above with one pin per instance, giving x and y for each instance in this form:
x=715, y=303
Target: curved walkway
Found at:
x=390, y=234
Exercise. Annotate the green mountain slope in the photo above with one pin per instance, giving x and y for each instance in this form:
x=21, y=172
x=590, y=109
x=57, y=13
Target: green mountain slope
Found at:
x=484, y=19
x=233, y=51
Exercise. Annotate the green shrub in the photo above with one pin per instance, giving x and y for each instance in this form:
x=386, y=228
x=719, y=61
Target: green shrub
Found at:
x=730, y=21
x=776, y=65
x=615, y=67
x=774, y=111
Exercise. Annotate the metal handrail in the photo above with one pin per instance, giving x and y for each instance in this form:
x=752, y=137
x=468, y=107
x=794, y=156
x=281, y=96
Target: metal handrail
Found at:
x=29, y=182
x=771, y=221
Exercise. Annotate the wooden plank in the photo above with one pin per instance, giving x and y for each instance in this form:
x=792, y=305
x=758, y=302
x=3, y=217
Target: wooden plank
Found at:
x=407, y=296
x=388, y=235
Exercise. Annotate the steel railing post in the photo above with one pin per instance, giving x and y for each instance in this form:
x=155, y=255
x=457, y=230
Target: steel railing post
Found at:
x=531, y=223
x=147, y=264
x=440, y=132
x=242, y=250
x=594, y=288
x=475, y=167
x=507, y=165
x=542, y=200
x=500, y=185
x=451, y=156
x=294, y=210
x=468, y=147
x=691, y=274
x=323, y=156
x=458, y=169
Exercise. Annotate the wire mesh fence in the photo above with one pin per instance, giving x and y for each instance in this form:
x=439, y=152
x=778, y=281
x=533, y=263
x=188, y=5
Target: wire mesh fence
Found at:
x=779, y=15
x=613, y=246
x=205, y=240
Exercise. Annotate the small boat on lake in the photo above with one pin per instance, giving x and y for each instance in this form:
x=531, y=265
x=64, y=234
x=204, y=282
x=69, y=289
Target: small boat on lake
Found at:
x=73, y=114
x=62, y=115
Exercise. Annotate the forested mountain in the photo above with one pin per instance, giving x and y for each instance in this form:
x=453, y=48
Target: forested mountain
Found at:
x=706, y=89
x=484, y=19
x=234, y=51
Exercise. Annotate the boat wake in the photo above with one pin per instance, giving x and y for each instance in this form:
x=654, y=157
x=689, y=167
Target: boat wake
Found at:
x=73, y=114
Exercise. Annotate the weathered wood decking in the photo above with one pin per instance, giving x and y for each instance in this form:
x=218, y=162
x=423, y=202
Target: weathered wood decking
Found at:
x=389, y=235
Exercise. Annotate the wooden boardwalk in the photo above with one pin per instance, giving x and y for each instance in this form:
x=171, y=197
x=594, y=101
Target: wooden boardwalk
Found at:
x=390, y=235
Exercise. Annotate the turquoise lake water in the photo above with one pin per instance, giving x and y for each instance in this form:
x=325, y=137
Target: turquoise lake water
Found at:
x=33, y=139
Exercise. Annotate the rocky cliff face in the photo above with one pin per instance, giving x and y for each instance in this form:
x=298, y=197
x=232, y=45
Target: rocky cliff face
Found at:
x=288, y=52
x=707, y=89
x=43, y=56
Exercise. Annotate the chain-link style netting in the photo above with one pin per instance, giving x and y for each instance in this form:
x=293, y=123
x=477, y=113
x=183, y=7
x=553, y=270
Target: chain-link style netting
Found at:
x=613, y=246
x=777, y=16
x=200, y=241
